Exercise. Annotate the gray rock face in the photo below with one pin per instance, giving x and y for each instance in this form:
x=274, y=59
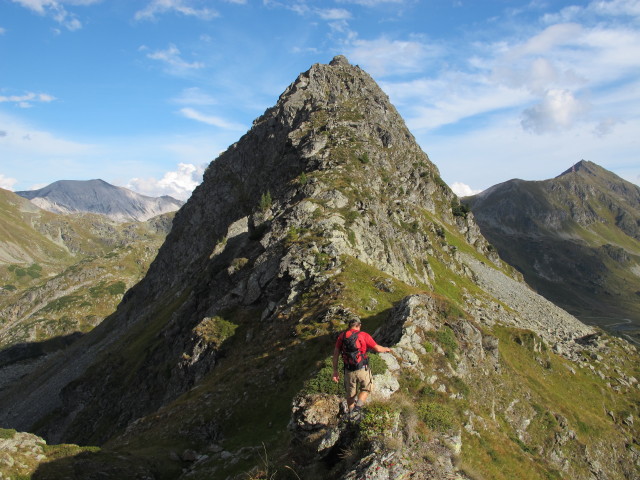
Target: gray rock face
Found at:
x=98, y=196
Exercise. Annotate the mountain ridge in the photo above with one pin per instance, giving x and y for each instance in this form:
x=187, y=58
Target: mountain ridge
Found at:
x=97, y=196
x=575, y=237
x=327, y=208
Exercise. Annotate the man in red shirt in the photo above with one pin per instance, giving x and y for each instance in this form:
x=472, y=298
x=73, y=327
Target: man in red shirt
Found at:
x=357, y=374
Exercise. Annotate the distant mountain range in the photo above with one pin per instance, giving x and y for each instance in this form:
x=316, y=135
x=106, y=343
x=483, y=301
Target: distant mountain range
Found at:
x=62, y=274
x=575, y=238
x=98, y=196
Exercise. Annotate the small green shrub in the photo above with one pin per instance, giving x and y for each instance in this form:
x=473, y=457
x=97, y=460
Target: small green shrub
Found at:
x=34, y=271
x=303, y=179
x=322, y=382
x=378, y=420
x=10, y=288
x=447, y=340
x=436, y=416
x=364, y=158
x=266, y=201
x=351, y=236
x=117, y=288
x=215, y=329
x=377, y=364
x=7, y=433
x=459, y=209
x=61, y=303
x=350, y=216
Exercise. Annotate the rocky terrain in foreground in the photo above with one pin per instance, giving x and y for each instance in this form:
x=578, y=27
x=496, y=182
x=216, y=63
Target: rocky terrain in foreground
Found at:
x=217, y=364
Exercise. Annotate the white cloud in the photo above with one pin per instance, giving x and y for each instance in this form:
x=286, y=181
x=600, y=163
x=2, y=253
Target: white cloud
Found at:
x=383, y=56
x=210, y=119
x=25, y=101
x=158, y=7
x=3, y=31
x=333, y=14
x=558, y=110
x=613, y=8
x=56, y=10
x=463, y=190
x=171, y=57
x=7, y=182
x=178, y=183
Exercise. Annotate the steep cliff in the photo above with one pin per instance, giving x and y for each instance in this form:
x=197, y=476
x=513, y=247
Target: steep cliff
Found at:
x=214, y=366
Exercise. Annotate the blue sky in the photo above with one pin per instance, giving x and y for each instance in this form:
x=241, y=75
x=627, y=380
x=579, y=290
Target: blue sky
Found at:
x=145, y=93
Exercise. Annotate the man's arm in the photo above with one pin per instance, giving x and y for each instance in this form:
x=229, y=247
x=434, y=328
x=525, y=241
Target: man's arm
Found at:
x=381, y=349
x=336, y=374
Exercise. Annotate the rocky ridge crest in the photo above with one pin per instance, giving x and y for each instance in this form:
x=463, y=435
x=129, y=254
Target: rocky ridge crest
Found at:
x=326, y=206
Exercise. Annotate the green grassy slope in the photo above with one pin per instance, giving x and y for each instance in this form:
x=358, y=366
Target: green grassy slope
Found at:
x=61, y=274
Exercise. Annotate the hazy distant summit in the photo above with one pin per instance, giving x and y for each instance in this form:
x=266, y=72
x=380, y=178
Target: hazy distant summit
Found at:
x=98, y=196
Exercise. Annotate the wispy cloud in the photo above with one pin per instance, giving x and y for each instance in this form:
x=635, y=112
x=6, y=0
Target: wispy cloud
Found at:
x=558, y=77
x=3, y=31
x=183, y=7
x=383, y=56
x=333, y=13
x=173, y=61
x=178, y=183
x=210, y=119
x=26, y=100
x=194, y=96
x=56, y=10
x=7, y=182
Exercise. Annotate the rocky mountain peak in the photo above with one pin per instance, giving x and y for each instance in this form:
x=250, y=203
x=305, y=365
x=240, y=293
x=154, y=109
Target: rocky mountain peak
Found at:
x=326, y=208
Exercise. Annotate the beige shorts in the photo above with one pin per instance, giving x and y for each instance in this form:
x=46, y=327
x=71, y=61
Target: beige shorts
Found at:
x=358, y=380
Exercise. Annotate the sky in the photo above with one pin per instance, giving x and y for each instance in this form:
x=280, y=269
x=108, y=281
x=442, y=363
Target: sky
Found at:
x=144, y=94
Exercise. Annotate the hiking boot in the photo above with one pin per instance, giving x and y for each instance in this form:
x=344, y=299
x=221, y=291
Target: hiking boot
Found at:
x=355, y=415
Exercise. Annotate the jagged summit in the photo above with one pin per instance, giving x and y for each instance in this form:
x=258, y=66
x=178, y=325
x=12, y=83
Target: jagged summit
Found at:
x=326, y=206
x=97, y=196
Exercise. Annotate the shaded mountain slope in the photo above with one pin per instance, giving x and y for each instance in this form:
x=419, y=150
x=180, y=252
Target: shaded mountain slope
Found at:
x=97, y=196
x=214, y=365
x=575, y=238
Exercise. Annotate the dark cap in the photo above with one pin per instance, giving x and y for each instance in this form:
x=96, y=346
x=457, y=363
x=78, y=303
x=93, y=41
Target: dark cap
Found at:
x=354, y=322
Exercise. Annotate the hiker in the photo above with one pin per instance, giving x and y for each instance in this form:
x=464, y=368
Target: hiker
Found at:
x=353, y=345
